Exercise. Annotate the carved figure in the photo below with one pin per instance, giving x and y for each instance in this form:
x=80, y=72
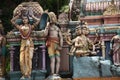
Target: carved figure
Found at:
x=27, y=46
x=81, y=44
x=115, y=47
x=2, y=50
x=112, y=9
x=54, y=43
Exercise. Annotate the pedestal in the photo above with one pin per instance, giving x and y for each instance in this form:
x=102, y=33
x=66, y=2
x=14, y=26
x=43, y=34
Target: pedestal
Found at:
x=89, y=67
x=36, y=75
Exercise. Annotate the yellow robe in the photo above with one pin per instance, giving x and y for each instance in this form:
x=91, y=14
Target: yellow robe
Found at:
x=26, y=51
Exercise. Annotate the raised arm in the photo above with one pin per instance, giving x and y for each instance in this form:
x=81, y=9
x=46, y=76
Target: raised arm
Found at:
x=61, y=38
x=13, y=21
x=67, y=36
x=36, y=21
x=47, y=29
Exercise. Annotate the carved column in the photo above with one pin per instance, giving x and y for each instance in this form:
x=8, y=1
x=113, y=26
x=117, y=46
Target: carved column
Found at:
x=12, y=58
x=103, y=48
x=43, y=47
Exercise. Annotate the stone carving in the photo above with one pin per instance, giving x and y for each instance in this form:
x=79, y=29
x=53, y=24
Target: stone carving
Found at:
x=26, y=6
x=25, y=29
x=115, y=49
x=112, y=9
x=81, y=44
x=54, y=44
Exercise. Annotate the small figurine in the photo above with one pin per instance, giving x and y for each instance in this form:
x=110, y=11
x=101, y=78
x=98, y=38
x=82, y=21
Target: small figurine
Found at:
x=115, y=49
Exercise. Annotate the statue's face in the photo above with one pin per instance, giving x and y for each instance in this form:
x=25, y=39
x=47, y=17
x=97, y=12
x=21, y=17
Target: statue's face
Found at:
x=78, y=31
x=25, y=20
x=53, y=18
x=85, y=31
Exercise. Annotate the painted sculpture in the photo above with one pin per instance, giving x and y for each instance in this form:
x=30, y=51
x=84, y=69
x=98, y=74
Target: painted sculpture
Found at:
x=54, y=44
x=115, y=49
x=81, y=44
x=27, y=46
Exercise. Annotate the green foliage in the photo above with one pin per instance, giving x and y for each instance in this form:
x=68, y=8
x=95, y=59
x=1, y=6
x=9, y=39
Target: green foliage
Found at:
x=53, y=5
x=65, y=9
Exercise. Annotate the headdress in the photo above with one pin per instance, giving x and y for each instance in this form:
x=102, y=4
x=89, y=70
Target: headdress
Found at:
x=52, y=16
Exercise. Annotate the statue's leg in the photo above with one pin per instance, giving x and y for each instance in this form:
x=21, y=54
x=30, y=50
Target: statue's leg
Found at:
x=27, y=61
x=57, y=64
x=22, y=63
x=52, y=64
x=30, y=60
x=51, y=52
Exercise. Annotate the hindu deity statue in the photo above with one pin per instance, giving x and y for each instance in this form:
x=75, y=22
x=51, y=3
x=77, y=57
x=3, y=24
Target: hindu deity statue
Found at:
x=26, y=17
x=115, y=49
x=81, y=44
x=54, y=44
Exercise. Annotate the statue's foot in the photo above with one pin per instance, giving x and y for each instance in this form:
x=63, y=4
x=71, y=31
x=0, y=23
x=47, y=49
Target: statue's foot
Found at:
x=29, y=77
x=53, y=77
x=25, y=78
x=116, y=64
x=57, y=76
x=22, y=78
x=71, y=54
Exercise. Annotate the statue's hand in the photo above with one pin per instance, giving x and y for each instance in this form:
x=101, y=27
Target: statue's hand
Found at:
x=19, y=13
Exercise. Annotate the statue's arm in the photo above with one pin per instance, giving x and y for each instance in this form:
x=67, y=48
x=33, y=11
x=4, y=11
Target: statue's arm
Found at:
x=13, y=21
x=91, y=44
x=61, y=38
x=37, y=20
x=68, y=38
x=47, y=29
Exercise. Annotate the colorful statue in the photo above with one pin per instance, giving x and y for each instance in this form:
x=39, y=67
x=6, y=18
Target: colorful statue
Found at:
x=115, y=47
x=2, y=50
x=54, y=43
x=27, y=46
x=81, y=44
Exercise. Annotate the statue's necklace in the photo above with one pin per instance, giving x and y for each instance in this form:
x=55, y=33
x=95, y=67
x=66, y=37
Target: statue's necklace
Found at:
x=28, y=34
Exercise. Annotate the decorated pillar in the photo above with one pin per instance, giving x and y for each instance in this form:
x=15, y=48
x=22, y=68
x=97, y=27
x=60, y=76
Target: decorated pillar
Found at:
x=12, y=58
x=103, y=48
x=43, y=47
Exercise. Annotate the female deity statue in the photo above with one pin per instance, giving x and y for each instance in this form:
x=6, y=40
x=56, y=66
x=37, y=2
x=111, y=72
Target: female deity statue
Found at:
x=27, y=46
x=115, y=47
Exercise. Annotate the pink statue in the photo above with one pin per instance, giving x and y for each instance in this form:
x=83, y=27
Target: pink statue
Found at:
x=116, y=49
